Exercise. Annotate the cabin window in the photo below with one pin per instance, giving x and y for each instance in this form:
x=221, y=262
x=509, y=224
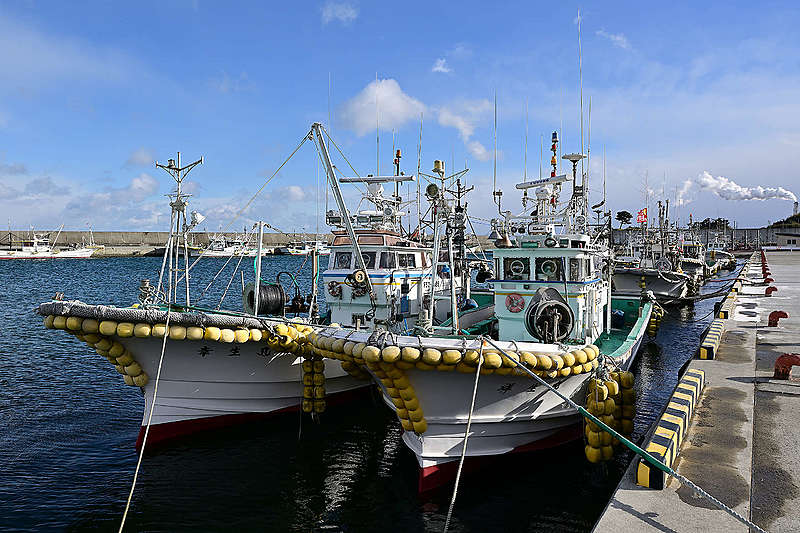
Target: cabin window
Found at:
x=587, y=267
x=388, y=260
x=549, y=269
x=369, y=259
x=575, y=273
x=407, y=261
x=342, y=260
x=516, y=268
x=370, y=239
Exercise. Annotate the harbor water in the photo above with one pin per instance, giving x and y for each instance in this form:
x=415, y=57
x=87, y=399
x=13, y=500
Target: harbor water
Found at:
x=68, y=426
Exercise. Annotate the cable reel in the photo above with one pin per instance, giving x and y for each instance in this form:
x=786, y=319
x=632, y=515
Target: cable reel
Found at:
x=549, y=318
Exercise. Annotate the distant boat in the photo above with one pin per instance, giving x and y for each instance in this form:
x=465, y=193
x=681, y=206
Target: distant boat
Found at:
x=304, y=248
x=39, y=247
x=220, y=247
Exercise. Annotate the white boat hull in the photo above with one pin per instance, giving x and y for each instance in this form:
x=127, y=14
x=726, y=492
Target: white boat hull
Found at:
x=79, y=253
x=668, y=285
x=512, y=414
x=205, y=384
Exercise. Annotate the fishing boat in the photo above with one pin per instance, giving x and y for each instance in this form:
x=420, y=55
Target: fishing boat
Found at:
x=39, y=247
x=200, y=368
x=378, y=275
x=693, y=260
x=549, y=309
x=304, y=248
x=716, y=253
x=222, y=247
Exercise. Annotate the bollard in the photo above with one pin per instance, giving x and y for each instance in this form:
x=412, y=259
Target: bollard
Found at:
x=775, y=316
x=783, y=365
x=768, y=280
x=769, y=290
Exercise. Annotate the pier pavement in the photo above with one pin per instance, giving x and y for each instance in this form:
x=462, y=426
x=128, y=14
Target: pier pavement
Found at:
x=742, y=444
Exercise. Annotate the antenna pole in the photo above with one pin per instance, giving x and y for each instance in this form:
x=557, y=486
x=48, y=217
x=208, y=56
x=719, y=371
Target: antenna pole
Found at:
x=497, y=194
x=419, y=169
x=580, y=76
x=525, y=166
x=377, y=132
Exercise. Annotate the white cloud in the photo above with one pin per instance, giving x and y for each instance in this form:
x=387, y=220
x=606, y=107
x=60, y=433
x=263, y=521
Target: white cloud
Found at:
x=394, y=107
x=617, y=39
x=226, y=84
x=140, y=157
x=12, y=169
x=463, y=116
x=440, y=65
x=293, y=193
x=30, y=56
x=478, y=151
x=344, y=12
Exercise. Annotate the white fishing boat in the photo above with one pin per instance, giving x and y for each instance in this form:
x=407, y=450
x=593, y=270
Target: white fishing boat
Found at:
x=212, y=367
x=693, y=260
x=39, y=247
x=305, y=248
x=222, y=247
x=717, y=254
x=550, y=309
x=654, y=267
x=385, y=279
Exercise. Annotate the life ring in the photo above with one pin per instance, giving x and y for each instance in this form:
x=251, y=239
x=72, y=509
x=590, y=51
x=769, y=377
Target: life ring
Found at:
x=550, y=242
x=359, y=276
x=334, y=289
x=515, y=302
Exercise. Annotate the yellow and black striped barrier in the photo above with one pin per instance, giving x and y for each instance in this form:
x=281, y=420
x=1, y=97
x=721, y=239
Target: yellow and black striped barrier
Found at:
x=665, y=442
x=708, y=349
x=728, y=305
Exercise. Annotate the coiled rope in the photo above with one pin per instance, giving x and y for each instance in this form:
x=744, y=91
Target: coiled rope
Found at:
x=633, y=447
x=466, y=436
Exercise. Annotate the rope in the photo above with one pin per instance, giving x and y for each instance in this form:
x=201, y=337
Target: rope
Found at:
x=466, y=436
x=149, y=417
x=252, y=198
x=233, y=275
x=631, y=446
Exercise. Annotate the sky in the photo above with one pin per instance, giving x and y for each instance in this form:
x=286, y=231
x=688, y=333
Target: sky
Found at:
x=695, y=102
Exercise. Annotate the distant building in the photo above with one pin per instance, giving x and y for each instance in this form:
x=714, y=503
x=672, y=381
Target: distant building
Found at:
x=789, y=237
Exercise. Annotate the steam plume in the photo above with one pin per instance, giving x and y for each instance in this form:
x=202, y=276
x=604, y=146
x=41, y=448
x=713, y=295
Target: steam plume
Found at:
x=730, y=190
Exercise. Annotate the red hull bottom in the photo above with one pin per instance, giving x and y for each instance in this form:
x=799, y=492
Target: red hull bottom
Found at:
x=436, y=476
x=163, y=433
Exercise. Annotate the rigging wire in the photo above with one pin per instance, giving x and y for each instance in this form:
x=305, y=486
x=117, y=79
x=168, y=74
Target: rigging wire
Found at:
x=252, y=198
x=155, y=396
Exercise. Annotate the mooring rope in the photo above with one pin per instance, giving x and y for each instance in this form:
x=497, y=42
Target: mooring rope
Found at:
x=633, y=447
x=466, y=436
x=150, y=414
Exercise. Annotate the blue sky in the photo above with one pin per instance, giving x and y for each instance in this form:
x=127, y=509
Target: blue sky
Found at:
x=701, y=99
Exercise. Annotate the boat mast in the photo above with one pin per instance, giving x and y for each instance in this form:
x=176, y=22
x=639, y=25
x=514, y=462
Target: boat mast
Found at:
x=178, y=203
x=316, y=133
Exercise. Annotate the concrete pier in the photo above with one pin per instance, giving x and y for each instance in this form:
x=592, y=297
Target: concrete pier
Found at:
x=742, y=444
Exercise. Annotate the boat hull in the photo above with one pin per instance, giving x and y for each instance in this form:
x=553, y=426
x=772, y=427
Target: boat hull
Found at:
x=667, y=285
x=513, y=412
x=80, y=253
x=207, y=385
